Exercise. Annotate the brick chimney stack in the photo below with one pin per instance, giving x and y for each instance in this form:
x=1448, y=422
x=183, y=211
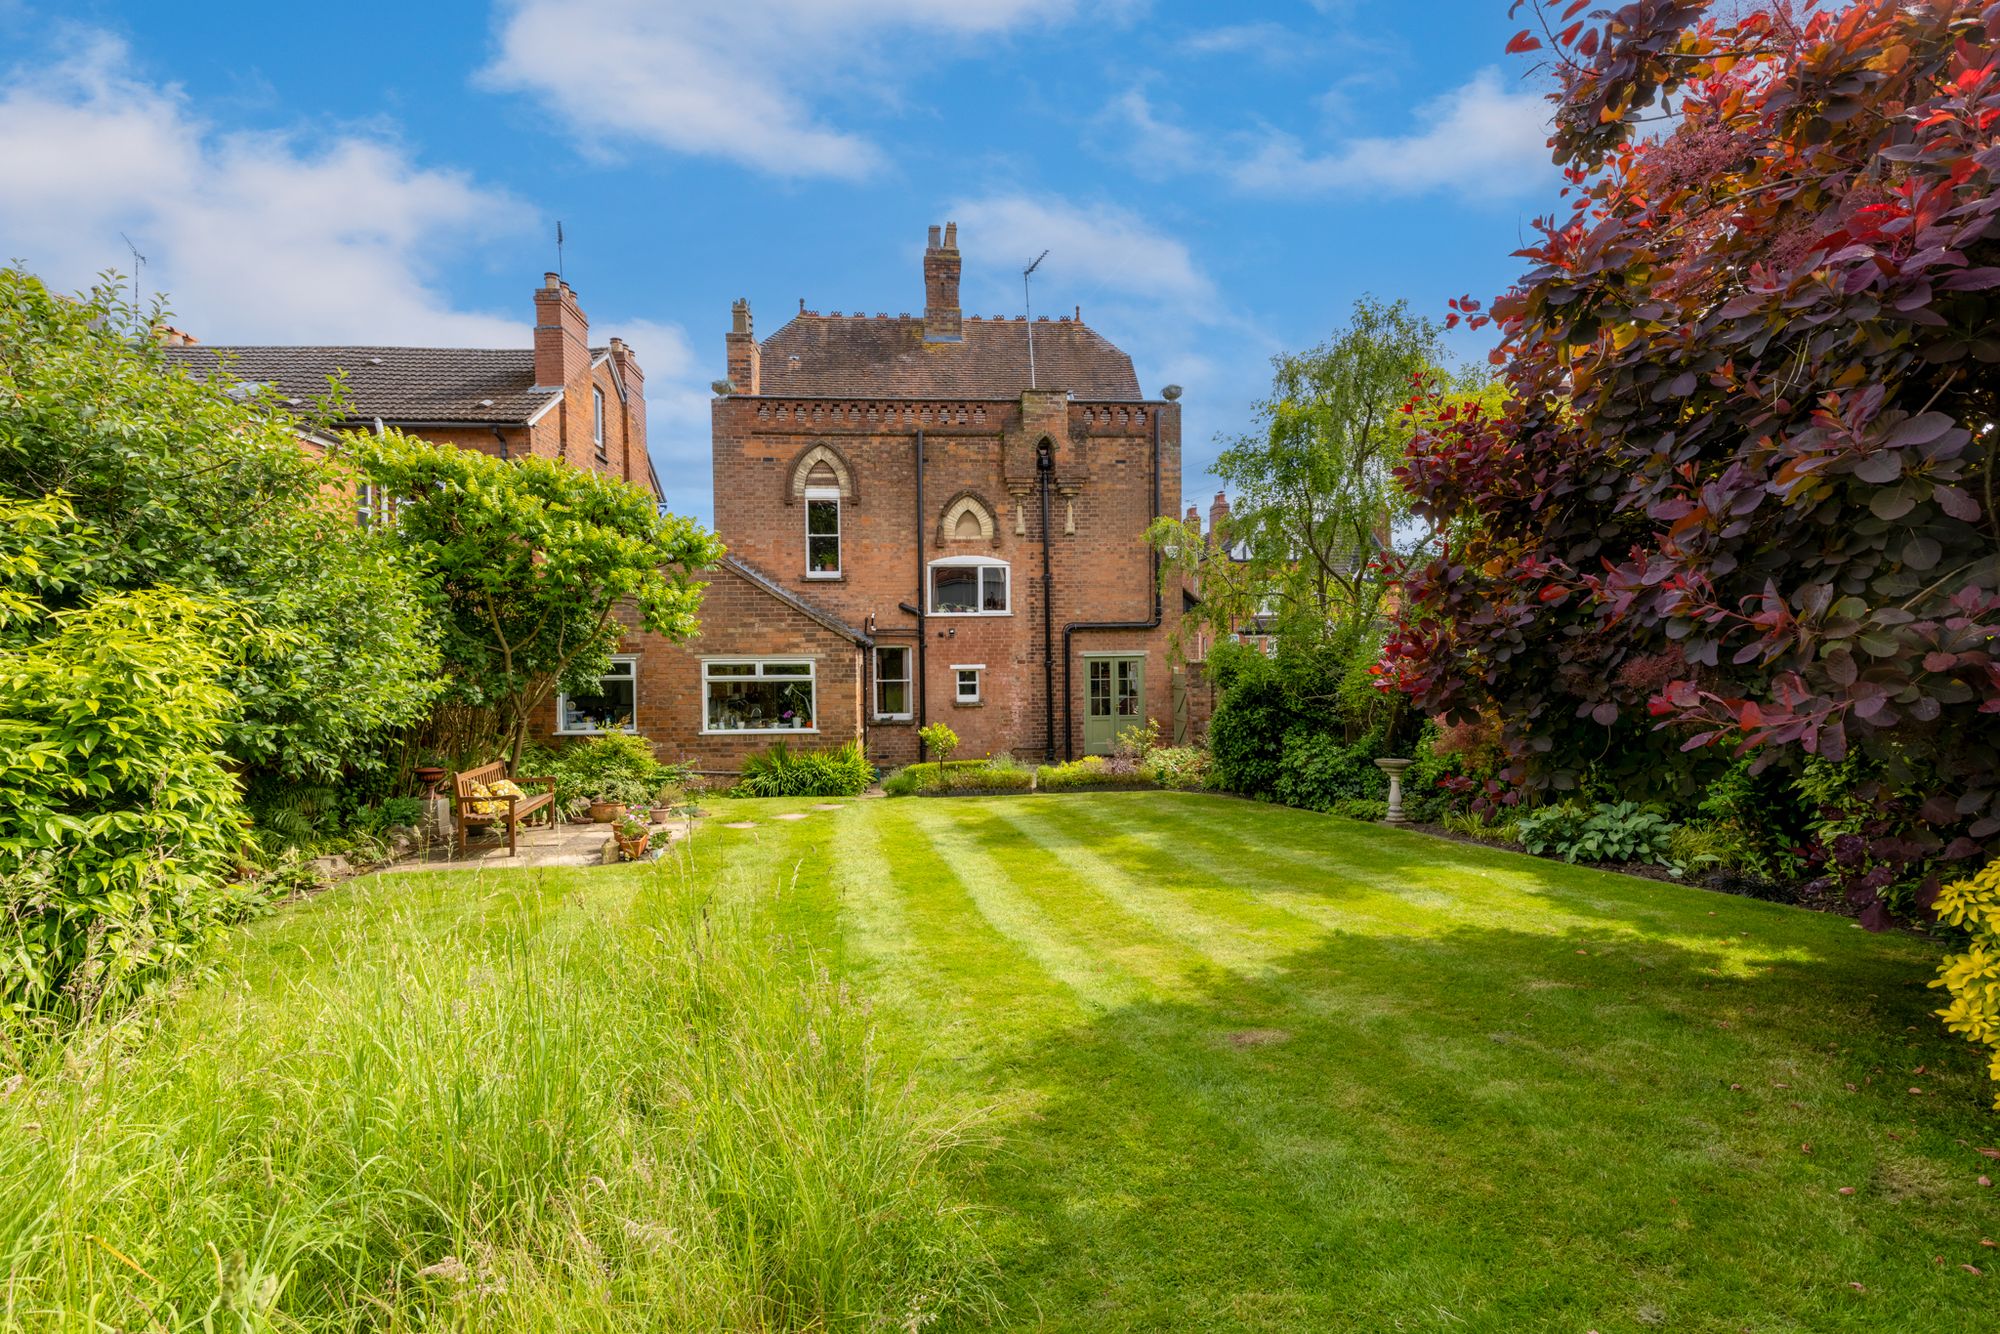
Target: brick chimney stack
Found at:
x=1194, y=518
x=746, y=359
x=943, y=321
x=635, y=408
x=562, y=335
x=1218, y=520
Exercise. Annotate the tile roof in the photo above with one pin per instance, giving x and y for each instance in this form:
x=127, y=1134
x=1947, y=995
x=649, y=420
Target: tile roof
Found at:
x=397, y=384
x=859, y=356
x=756, y=577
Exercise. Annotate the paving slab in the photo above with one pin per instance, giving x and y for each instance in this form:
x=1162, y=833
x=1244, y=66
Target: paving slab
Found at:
x=578, y=844
x=792, y=815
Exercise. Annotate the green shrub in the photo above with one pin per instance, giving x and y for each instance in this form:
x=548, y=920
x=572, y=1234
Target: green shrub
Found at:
x=1360, y=808
x=1183, y=768
x=784, y=772
x=121, y=826
x=1484, y=827
x=1088, y=772
x=389, y=814
x=961, y=776
x=1246, y=736
x=1315, y=770
x=1699, y=846
x=1620, y=831
x=618, y=766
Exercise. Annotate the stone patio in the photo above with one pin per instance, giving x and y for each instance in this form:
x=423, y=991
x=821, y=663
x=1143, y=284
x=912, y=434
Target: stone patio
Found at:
x=575, y=844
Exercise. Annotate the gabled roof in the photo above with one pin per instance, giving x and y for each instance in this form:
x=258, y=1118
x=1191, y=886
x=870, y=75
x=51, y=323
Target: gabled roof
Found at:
x=859, y=356
x=398, y=384
x=749, y=572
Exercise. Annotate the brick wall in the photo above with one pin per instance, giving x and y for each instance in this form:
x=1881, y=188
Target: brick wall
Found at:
x=739, y=619
x=1100, y=505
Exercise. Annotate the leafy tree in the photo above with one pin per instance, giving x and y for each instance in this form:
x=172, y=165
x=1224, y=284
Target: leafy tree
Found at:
x=201, y=485
x=1315, y=498
x=535, y=568
x=1741, y=486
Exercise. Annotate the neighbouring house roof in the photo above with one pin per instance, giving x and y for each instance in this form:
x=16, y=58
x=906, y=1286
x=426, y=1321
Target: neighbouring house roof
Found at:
x=397, y=384
x=755, y=576
x=857, y=356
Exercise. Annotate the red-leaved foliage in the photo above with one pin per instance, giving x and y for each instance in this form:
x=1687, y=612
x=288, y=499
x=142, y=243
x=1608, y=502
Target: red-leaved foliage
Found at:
x=1748, y=431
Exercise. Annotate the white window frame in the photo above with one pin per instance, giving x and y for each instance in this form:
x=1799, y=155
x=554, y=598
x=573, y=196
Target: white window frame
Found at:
x=825, y=495
x=629, y=661
x=597, y=418
x=970, y=562
x=374, y=507
x=958, y=672
x=708, y=678
x=908, y=680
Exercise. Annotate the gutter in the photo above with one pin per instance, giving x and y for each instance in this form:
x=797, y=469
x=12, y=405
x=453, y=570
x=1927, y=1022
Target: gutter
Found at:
x=1069, y=697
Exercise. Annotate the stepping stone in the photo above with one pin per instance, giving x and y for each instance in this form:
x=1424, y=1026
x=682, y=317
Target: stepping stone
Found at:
x=825, y=807
x=741, y=824
x=790, y=815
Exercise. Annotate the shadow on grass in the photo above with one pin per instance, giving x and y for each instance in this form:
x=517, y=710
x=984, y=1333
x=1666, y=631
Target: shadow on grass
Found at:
x=1501, y=1129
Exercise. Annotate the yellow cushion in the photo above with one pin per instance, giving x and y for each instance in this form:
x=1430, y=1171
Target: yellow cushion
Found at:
x=483, y=795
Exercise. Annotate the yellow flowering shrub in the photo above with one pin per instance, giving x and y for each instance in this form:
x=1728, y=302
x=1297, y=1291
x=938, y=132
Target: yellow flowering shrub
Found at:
x=1973, y=977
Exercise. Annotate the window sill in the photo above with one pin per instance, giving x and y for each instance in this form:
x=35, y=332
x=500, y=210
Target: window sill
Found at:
x=760, y=731
x=971, y=613
x=894, y=719
x=968, y=704
x=596, y=731
x=823, y=576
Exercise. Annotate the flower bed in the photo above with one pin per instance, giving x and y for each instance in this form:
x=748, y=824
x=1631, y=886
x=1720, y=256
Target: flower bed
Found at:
x=960, y=778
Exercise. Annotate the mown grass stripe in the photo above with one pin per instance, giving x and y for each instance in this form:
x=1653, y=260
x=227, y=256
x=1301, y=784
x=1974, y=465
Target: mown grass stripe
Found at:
x=1210, y=912
x=950, y=828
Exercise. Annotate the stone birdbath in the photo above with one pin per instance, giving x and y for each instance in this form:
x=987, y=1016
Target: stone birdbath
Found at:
x=1394, y=768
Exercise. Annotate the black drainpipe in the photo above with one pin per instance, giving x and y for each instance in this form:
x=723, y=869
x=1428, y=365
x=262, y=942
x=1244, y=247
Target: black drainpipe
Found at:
x=923, y=593
x=501, y=436
x=1069, y=699
x=1045, y=466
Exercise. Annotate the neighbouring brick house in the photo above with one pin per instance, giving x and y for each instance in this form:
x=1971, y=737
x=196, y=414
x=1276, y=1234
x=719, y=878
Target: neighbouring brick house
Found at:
x=559, y=398
x=928, y=518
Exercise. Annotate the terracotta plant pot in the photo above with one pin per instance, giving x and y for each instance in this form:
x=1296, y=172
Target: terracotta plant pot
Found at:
x=662, y=814
x=604, y=812
x=632, y=849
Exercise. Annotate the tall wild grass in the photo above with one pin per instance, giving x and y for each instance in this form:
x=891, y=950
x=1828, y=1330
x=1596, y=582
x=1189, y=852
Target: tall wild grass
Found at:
x=600, y=1104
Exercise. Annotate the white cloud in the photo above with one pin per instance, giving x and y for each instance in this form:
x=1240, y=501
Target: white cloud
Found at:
x=1478, y=137
x=255, y=237
x=739, y=81
x=1094, y=249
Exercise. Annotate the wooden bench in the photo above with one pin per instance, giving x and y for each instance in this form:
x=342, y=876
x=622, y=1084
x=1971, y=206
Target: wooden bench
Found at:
x=518, y=808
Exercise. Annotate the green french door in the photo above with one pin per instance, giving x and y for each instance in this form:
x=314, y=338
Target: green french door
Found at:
x=1114, y=698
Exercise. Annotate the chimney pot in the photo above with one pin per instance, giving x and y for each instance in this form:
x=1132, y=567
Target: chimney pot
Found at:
x=552, y=280
x=934, y=236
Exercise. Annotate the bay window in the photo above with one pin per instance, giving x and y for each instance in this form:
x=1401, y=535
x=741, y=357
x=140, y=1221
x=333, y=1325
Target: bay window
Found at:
x=758, y=695
x=969, y=586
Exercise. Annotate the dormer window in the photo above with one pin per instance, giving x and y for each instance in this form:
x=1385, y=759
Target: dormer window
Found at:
x=969, y=586
x=822, y=532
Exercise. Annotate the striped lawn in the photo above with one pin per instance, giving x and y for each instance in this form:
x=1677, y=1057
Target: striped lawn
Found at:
x=1245, y=1067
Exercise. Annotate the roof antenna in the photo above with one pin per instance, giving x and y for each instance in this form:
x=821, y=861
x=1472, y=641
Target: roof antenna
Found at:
x=1028, y=308
x=559, y=246
x=138, y=261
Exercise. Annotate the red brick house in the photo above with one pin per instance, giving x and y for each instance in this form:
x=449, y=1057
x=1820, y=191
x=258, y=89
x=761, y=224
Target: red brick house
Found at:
x=933, y=517
x=560, y=397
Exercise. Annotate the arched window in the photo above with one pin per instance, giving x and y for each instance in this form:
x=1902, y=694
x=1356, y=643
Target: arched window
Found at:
x=821, y=466
x=966, y=519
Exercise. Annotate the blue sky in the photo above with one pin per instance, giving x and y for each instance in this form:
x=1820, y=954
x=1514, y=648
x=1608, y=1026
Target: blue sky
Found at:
x=1214, y=183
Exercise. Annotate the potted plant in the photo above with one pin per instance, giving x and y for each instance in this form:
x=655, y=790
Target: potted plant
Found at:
x=633, y=834
x=605, y=807
x=668, y=780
